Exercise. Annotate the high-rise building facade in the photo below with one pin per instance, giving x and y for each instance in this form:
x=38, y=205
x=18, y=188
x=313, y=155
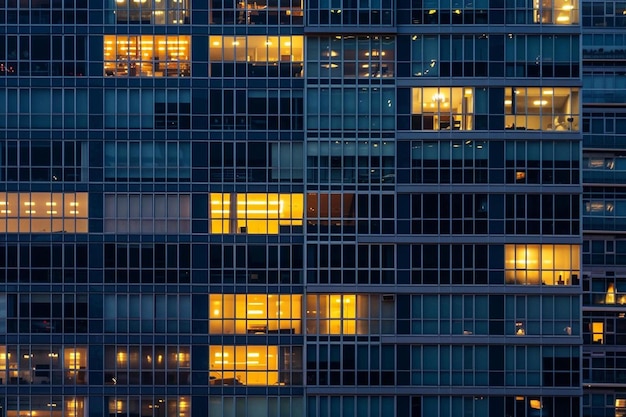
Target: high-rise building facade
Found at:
x=278, y=208
x=604, y=246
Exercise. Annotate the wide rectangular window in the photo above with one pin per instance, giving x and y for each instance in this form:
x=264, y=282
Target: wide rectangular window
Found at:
x=350, y=314
x=255, y=365
x=547, y=108
x=43, y=212
x=45, y=405
x=437, y=108
x=146, y=364
x=147, y=56
x=147, y=213
x=255, y=314
x=560, y=12
x=331, y=209
x=260, y=56
x=146, y=160
x=150, y=12
x=43, y=365
x=542, y=264
x=254, y=213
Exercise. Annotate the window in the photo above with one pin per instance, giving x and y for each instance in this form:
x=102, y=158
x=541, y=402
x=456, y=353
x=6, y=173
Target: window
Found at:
x=255, y=314
x=349, y=161
x=330, y=209
x=159, y=161
x=548, y=108
x=40, y=405
x=147, y=56
x=134, y=313
x=148, y=405
x=263, y=55
x=351, y=57
x=43, y=55
x=25, y=160
x=344, y=314
x=560, y=12
x=256, y=12
x=254, y=365
x=154, y=12
x=147, y=213
x=254, y=213
x=43, y=212
x=43, y=365
x=542, y=264
x=436, y=108
x=159, y=365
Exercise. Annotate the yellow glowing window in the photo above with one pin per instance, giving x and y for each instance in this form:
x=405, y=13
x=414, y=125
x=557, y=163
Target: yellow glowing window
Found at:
x=256, y=48
x=147, y=55
x=542, y=264
x=560, y=12
x=254, y=213
x=243, y=365
x=597, y=332
x=255, y=313
x=337, y=314
x=443, y=108
x=219, y=213
x=43, y=212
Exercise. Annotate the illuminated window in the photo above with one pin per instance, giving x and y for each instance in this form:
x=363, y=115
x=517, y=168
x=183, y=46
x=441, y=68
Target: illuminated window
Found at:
x=255, y=213
x=560, y=12
x=548, y=108
x=341, y=314
x=4, y=360
x=147, y=56
x=43, y=212
x=597, y=332
x=256, y=48
x=263, y=12
x=75, y=365
x=542, y=264
x=244, y=365
x=46, y=405
x=436, y=108
x=255, y=314
x=154, y=12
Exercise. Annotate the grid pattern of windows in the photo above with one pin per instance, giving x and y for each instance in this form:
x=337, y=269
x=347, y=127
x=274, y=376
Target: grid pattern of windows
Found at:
x=289, y=208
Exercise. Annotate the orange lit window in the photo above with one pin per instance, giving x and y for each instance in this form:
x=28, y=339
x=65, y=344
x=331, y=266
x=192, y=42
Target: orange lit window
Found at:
x=255, y=314
x=542, y=264
x=43, y=212
x=256, y=48
x=243, y=365
x=147, y=56
x=597, y=332
x=254, y=213
x=337, y=314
